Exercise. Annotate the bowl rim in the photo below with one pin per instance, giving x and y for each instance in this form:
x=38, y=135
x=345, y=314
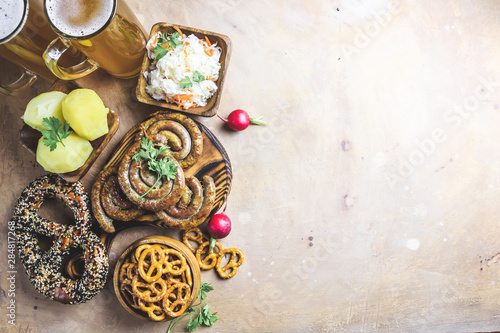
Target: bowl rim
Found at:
x=165, y=240
x=205, y=111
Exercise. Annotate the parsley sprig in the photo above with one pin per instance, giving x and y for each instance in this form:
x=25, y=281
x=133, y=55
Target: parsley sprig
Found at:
x=164, y=167
x=55, y=133
x=204, y=317
x=187, y=83
x=165, y=43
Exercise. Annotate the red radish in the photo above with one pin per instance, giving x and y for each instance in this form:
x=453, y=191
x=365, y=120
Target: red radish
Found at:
x=238, y=120
x=218, y=227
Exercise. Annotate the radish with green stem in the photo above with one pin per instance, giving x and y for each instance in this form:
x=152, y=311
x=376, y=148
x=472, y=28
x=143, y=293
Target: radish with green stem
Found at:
x=218, y=227
x=239, y=120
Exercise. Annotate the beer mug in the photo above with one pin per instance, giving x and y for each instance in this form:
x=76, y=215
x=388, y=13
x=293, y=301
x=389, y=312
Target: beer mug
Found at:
x=106, y=31
x=24, y=36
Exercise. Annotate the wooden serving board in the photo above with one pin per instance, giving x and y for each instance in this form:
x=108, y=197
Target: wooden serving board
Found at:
x=213, y=162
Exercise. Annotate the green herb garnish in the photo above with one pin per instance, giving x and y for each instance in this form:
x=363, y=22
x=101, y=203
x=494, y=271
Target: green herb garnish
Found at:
x=164, y=167
x=204, y=317
x=55, y=133
x=174, y=40
x=187, y=83
x=165, y=43
x=198, y=78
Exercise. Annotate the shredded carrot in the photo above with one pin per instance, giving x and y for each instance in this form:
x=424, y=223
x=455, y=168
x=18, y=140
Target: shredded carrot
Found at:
x=178, y=30
x=208, y=42
x=166, y=98
x=156, y=40
x=185, y=52
x=164, y=44
x=182, y=97
x=186, y=43
x=209, y=53
x=208, y=77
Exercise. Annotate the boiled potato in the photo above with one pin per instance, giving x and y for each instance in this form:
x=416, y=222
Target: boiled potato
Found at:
x=45, y=105
x=85, y=112
x=71, y=156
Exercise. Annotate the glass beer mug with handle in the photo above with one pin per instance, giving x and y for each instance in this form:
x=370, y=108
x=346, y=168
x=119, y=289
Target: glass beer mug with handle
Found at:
x=24, y=36
x=106, y=31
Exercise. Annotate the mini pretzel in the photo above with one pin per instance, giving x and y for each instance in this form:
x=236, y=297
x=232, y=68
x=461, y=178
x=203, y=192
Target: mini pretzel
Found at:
x=128, y=293
x=210, y=260
x=154, y=265
x=149, y=292
x=175, y=303
x=237, y=258
x=172, y=265
x=138, y=252
x=154, y=311
x=169, y=288
x=127, y=271
x=195, y=235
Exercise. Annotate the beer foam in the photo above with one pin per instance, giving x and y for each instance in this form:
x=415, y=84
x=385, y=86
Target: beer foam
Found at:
x=12, y=15
x=79, y=18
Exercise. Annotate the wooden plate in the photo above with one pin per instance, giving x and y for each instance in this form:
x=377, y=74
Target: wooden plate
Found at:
x=212, y=106
x=29, y=137
x=213, y=162
x=170, y=242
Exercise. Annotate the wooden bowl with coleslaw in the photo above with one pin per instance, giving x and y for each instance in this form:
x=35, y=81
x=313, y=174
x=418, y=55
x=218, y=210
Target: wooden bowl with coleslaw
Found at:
x=170, y=99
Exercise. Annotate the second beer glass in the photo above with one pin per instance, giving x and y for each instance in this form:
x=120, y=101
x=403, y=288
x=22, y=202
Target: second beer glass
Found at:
x=105, y=30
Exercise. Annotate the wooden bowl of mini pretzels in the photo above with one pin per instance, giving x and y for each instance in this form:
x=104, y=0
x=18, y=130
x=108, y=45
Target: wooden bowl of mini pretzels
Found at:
x=157, y=278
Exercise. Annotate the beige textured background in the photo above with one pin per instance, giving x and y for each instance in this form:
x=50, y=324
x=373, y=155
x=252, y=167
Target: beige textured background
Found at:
x=369, y=203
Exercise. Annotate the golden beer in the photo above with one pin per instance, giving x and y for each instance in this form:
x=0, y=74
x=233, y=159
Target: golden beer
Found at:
x=106, y=31
x=24, y=35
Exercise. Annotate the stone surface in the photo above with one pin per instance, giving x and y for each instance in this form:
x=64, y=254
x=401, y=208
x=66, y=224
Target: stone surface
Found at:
x=369, y=202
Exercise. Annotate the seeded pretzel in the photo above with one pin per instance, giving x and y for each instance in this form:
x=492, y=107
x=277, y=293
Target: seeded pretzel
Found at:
x=44, y=267
x=237, y=258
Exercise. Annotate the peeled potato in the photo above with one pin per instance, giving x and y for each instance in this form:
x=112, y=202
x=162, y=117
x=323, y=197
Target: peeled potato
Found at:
x=71, y=156
x=45, y=105
x=85, y=112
